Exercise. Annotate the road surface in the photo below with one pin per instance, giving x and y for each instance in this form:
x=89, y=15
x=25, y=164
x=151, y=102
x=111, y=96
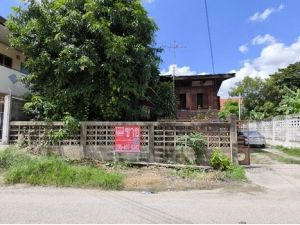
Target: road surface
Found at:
x=273, y=196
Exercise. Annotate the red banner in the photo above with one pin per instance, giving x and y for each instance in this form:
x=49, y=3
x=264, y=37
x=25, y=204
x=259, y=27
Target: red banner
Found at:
x=127, y=139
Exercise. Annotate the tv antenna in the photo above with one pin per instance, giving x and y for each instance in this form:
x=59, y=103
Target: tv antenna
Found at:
x=174, y=47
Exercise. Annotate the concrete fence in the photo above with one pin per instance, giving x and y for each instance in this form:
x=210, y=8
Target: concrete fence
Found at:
x=280, y=130
x=159, y=140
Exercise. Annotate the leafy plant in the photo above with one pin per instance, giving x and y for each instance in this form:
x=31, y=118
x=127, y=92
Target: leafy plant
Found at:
x=219, y=161
x=290, y=103
x=165, y=101
x=230, y=107
x=94, y=59
x=195, y=142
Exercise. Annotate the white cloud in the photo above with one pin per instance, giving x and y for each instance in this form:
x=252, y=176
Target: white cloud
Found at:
x=258, y=17
x=272, y=57
x=266, y=39
x=180, y=71
x=243, y=49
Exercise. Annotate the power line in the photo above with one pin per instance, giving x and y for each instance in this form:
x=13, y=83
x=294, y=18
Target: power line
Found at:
x=209, y=37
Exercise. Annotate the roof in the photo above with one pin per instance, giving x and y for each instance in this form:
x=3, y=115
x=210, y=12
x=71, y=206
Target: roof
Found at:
x=2, y=20
x=3, y=31
x=224, y=76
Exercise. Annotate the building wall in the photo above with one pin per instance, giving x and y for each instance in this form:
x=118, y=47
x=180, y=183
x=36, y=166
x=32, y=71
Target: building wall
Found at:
x=208, y=89
x=17, y=56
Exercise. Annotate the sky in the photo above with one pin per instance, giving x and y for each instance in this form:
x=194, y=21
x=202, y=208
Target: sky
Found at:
x=249, y=37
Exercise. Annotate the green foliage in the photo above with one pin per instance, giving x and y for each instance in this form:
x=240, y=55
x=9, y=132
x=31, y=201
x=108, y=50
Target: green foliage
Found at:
x=40, y=109
x=230, y=107
x=250, y=90
x=290, y=151
x=71, y=127
x=165, y=101
x=195, y=142
x=219, y=161
x=10, y=156
x=236, y=173
x=55, y=171
x=276, y=95
x=93, y=59
x=288, y=77
x=290, y=103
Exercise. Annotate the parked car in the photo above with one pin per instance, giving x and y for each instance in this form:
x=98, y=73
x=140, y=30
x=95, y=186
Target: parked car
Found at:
x=253, y=138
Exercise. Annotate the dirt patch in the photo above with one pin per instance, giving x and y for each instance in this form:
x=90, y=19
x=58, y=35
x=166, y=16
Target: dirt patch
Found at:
x=151, y=178
x=260, y=157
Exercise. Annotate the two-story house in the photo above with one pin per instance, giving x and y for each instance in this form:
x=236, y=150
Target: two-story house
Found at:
x=11, y=71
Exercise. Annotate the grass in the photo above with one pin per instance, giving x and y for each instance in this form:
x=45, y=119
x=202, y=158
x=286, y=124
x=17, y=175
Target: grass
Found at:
x=55, y=171
x=289, y=151
x=236, y=173
x=283, y=159
x=189, y=173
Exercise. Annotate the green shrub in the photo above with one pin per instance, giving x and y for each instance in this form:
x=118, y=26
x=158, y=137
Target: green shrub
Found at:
x=194, y=141
x=219, y=161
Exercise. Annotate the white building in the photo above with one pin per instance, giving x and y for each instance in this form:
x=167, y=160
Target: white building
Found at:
x=11, y=89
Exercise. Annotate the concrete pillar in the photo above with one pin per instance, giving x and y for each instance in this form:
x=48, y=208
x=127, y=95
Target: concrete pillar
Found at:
x=6, y=119
x=233, y=139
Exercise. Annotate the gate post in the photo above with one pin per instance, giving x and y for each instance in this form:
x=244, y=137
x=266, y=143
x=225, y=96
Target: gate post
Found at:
x=233, y=139
x=6, y=119
x=151, y=142
x=83, y=140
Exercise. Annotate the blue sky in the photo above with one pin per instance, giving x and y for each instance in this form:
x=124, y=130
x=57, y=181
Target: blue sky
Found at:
x=249, y=37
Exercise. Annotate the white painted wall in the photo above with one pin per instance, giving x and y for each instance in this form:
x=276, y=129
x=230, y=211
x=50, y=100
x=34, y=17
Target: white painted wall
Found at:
x=280, y=130
x=6, y=85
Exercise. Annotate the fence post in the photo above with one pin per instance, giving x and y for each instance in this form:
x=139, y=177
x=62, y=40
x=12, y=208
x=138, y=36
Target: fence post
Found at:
x=6, y=119
x=233, y=139
x=151, y=142
x=83, y=131
x=273, y=131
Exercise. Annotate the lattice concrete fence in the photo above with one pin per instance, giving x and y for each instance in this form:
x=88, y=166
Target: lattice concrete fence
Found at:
x=280, y=130
x=159, y=140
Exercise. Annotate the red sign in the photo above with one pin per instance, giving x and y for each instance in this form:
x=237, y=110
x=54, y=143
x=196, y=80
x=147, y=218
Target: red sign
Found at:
x=127, y=138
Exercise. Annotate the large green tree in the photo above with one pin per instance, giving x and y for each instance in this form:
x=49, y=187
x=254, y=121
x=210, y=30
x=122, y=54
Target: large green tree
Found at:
x=278, y=94
x=94, y=59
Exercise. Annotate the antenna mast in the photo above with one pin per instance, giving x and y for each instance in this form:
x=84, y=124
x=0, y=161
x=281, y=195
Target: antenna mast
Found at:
x=174, y=46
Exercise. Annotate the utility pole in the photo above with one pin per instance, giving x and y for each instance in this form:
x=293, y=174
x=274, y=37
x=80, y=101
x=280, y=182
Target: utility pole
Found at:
x=239, y=106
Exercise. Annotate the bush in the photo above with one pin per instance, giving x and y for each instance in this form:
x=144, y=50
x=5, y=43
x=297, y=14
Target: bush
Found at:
x=219, y=161
x=194, y=141
x=21, y=168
